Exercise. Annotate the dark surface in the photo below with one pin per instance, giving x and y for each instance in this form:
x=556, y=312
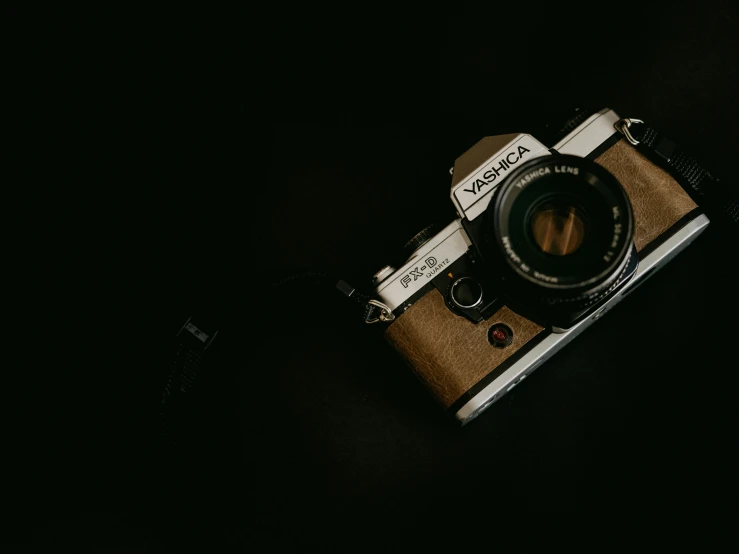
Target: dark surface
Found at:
x=145, y=194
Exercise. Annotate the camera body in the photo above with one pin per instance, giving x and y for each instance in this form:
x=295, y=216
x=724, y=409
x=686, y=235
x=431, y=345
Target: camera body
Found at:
x=547, y=240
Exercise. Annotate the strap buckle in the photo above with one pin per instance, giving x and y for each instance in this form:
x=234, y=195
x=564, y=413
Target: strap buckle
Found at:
x=623, y=125
x=386, y=314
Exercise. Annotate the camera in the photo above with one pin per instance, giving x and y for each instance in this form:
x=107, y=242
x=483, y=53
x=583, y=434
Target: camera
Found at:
x=547, y=240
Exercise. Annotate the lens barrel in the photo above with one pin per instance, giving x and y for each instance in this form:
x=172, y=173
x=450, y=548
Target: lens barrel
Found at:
x=563, y=227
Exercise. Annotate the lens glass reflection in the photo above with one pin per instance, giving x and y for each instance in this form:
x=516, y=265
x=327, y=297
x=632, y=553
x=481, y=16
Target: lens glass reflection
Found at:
x=558, y=228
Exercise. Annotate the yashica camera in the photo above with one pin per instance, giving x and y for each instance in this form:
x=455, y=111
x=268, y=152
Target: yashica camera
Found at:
x=548, y=239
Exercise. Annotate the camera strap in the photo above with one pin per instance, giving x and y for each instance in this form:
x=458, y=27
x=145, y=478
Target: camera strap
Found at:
x=715, y=197
x=192, y=343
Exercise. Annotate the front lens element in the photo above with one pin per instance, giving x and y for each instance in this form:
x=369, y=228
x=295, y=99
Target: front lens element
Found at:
x=558, y=228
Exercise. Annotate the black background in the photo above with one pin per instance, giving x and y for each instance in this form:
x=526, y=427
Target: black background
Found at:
x=173, y=165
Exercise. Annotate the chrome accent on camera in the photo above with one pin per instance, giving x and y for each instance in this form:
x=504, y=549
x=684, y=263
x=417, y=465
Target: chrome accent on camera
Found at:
x=383, y=274
x=623, y=126
x=593, y=131
x=439, y=252
x=386, y=314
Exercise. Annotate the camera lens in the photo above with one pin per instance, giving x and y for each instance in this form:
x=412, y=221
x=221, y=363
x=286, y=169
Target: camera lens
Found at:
x=564, y=227
x=558, y=227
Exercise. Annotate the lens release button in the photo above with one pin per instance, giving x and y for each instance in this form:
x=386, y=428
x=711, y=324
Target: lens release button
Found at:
x=466, y=293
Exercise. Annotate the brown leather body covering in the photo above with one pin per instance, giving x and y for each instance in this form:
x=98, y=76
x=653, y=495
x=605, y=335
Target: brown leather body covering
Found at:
x=657, y=199
x=449, y=354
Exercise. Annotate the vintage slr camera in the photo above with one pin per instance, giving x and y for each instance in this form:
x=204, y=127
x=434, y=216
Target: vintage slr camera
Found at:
x=547, y=240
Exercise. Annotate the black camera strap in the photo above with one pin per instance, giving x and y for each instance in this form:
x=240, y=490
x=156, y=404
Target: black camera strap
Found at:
x=716, y=198
x=192, y=345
